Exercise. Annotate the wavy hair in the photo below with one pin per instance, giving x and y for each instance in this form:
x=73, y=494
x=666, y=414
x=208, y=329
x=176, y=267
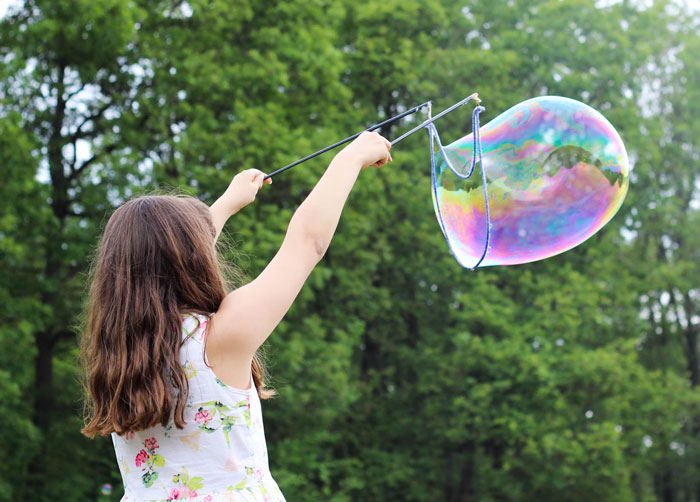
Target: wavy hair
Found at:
x=155, y=262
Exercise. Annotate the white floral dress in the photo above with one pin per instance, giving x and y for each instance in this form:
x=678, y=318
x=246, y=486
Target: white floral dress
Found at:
x=220, y=455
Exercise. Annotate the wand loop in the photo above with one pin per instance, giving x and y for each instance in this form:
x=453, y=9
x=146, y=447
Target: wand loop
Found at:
x=430, y=120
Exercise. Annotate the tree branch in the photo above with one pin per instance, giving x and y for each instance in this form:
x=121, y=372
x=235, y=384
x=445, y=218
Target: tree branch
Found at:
x=76, y=172
x=78, y=132
x=74, y=93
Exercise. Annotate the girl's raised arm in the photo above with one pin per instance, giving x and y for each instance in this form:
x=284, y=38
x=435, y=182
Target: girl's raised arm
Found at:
x=249, y=314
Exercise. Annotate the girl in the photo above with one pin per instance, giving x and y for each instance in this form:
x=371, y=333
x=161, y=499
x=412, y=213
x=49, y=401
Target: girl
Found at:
x=173, y=372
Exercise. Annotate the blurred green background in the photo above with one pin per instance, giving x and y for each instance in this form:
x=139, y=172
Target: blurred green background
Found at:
x=401, y=376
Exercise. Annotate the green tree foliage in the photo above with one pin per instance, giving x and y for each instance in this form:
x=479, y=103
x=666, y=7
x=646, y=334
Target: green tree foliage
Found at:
x=18, y=195
x=401, y=376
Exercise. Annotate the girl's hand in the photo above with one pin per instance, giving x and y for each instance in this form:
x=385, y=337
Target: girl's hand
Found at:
x=241, y=192
x=369, y=149
x=243, y=189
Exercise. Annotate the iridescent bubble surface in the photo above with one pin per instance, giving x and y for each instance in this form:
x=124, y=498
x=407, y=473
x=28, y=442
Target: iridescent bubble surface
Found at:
x=556, y=172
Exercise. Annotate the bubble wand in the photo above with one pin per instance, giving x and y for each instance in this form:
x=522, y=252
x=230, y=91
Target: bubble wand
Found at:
x=553, y=172
x=426, y=123
x=429, y=124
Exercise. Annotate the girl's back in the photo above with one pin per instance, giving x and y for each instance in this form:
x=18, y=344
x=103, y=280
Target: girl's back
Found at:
x=158, y=299
x=220, y=452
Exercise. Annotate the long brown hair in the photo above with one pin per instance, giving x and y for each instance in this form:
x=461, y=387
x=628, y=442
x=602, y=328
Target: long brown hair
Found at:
x=156, y=261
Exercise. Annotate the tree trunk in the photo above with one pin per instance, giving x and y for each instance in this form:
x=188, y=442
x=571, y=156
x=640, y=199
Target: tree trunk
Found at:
x=43, y=402
x=53, y=273
x=691, y=350
x=465, y=488
x=667, y=494
x=691, y=346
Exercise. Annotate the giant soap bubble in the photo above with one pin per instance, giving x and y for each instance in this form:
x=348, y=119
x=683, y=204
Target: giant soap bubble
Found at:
x=556, y=171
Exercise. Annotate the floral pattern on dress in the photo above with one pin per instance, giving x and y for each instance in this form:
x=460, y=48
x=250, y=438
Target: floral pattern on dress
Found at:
x=185, y=485
x=149, y=459
x=214, y=415
x=190, y=370
x=191, y=440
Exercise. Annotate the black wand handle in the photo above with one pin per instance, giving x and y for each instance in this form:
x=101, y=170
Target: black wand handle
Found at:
x=350, y=138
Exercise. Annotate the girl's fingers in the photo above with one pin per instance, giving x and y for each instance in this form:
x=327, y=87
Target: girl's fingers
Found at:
x=383, y=162
x=260, y=178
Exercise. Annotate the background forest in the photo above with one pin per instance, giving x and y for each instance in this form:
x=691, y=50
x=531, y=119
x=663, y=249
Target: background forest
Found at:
x=401, y=376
